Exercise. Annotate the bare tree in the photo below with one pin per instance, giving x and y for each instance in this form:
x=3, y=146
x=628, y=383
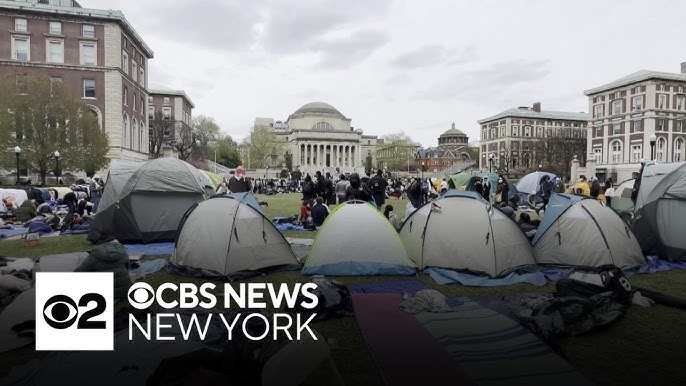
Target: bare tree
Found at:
x=555, y=153
x=161, y=134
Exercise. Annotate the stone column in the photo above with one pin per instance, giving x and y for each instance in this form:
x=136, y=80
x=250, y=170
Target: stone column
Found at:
x=308, y=154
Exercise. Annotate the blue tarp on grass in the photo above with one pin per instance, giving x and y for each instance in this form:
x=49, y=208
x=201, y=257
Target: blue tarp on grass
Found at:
x=150, y=249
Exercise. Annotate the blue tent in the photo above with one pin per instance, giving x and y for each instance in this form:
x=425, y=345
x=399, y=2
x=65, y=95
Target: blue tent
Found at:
x=559, y=203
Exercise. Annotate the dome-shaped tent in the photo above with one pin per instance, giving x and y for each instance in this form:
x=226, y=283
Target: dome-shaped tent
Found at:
x=580, y=231
x=461, y=231
x=355, y=240
x=230, y=237
x=151, y=202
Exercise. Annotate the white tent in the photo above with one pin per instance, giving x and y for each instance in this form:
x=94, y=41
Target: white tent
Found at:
x=355, y=240
x=461, y=231
x=229, y=237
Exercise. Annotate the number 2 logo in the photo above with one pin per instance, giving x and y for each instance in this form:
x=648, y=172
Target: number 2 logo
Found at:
x=60, y=312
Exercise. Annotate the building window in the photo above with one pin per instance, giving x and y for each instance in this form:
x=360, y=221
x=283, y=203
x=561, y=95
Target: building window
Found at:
x=637, y=103
x=322, y=126
x=89, y=88
x=55, y=51
x=616, y=151
x=662, y=101
x=679, y=150
x=527, y=131
x=637, y=126
x=125, y=96
x=134, y=71
x=598, y=155
x=166, y=113
x=598, y=131
x=598, y=111
x=492, y=133
x=20, y=25
x=616, y=129
x=636, y=153
x=88, y=53
x=679, y=102
x=21, y=48
x=663, y=87
x=142, y=106
x=132, y=136
x=503, y=133
x=515, y=131
x=679, y=127
x=141, y=136
x=617, y=107
x=150, y=99
x=660, y=125
x=167, y=101
x=135, y=101
x=88, y=31
x=125, y=62
x=125, y=131
x=141, y=80
x=660, y=152
x=151, y=111
x=483, y=135
x=55, y=28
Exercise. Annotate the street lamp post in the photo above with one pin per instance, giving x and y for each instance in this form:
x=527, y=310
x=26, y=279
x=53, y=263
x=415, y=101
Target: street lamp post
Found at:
x=17, y=151
x=652, y=140
x=490, y=162
x=540, y=167
x=422, y=170
x=57, y=166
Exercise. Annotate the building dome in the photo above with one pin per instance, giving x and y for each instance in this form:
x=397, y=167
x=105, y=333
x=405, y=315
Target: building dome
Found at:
x=319, y=108
x=453, y=132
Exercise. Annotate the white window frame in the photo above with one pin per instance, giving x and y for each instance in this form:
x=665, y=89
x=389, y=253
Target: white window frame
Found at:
x=21, y=24
x=598, y=135
x=617, y=107
x=125, y=130
x=141, y=136
x=55, y=28
x=22, y=38
x=503, y=132
x=83, y=46
x=598, y=111
x=636, y=153
x=135, y=101
x=661, y=101
x=125, y=62
x=515, y=131
x=637, y=126
x=166, y=101
x=151, y=111
x=134, y=70
x=637, y=103
x=90, y=28
x=616, y=129
x=49, y=45
x=679, y=126
x=132, y=137
x=598, y=155
x=125, y=96
x=678, y=155
x=527, y=131
x=141, y=79
x=166, y=113
x=660, y=125
x=660, y=149
x=616, y=152
x=680, y=100
x=83, y=94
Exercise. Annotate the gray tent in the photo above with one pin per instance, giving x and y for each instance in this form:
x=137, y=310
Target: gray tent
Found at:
x=120, y=172
x=461, y=231
x=660, y=217
x=151, y=202
x=580, y=231
x=228, y=236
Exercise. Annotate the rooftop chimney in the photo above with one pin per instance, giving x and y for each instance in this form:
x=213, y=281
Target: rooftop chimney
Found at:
x=683, y=68
x=537, y=107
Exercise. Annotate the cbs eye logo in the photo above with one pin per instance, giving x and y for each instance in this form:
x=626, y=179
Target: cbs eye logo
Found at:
x=61, y=311
x=74, y=311
x=141, y=295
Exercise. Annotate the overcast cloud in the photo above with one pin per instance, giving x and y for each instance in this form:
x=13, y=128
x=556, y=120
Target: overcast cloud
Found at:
x=393, y=65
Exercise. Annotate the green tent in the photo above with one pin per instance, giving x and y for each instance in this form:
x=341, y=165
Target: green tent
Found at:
x=459, y=181
x=493, y=178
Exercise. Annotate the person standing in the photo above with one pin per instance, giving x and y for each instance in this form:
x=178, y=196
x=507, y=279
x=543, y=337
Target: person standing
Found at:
x=595, y=187
x=486, y=186
x=501, y=190
x=378, y=186
x=341, y=187
x=309, y=189
x=239, y=182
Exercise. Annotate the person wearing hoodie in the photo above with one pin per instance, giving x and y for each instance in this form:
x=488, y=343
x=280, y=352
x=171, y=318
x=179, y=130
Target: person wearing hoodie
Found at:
x=239, y=182
x=595, y=187
x=110, y=257
x=390, y=215
x=357, y=190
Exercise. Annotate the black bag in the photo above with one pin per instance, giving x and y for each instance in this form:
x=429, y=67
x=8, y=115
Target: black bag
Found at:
x=307, y=187
x=607, y=278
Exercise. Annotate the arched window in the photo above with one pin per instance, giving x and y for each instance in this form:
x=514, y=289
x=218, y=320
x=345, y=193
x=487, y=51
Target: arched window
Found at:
x=661, y=147
x=679, y=155
x=616, y=151
x=96, y=113
x=141, y=137
x=125, y=131
x=322, y=126
x=133, y=136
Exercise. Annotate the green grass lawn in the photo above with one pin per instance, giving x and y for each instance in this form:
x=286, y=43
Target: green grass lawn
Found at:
x=644, y=347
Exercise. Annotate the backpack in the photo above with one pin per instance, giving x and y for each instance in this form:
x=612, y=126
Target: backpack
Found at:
x=607, y=278
x=307, y=187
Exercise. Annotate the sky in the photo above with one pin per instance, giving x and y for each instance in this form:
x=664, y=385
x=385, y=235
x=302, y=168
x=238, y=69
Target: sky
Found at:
x=399, y=65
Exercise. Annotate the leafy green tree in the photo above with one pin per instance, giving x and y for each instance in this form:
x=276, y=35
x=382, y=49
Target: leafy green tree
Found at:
x=395, y=151
x=41, y=117
x=261, y=144
x=227, y=151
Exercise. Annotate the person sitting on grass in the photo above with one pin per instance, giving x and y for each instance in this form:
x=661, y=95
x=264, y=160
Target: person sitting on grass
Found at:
x=26, y=211
x=305, y=215
x=319, y=212
x=390, y=215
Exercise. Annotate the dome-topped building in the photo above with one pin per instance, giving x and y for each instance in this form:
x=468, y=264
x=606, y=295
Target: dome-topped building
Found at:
x=453, y=139
x=320, y=137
